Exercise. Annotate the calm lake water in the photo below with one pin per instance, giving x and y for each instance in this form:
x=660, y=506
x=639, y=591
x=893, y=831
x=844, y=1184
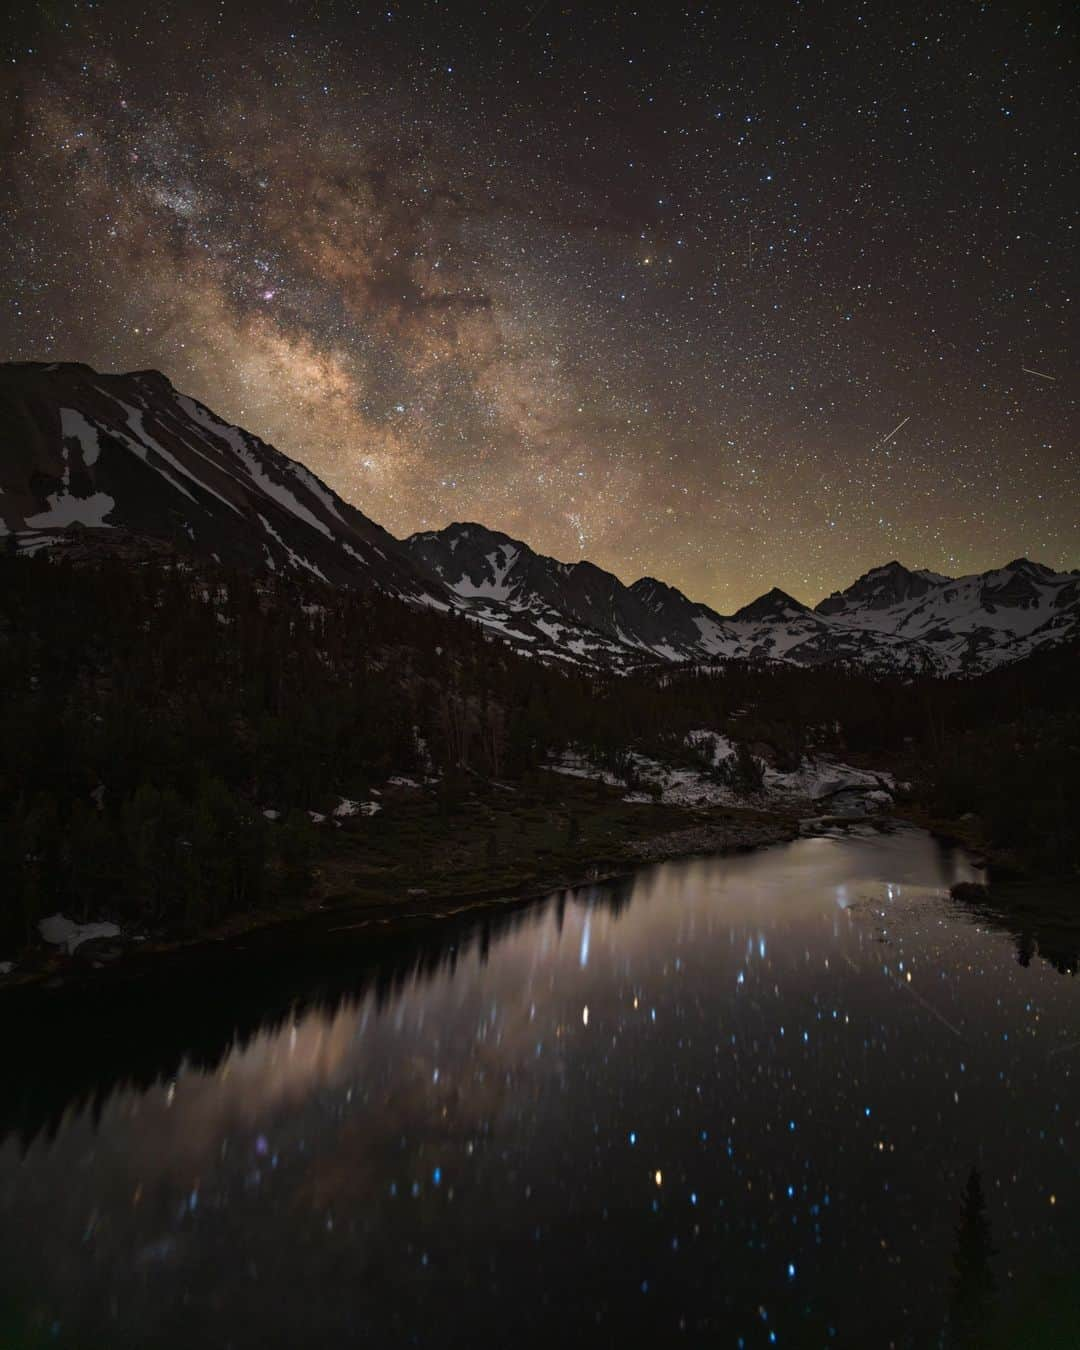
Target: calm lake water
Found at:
x=726, y=1102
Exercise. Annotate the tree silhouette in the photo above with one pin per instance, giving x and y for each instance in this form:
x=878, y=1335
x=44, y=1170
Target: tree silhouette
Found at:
x=973, y=1284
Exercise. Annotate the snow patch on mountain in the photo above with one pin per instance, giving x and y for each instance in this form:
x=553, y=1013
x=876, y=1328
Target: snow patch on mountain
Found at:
x=297, y=559
x=65, y=509
x=86, y=426
x=495, y=584
x=316, y=488
x=60, y=931
x=238, y=442
x=74, y=426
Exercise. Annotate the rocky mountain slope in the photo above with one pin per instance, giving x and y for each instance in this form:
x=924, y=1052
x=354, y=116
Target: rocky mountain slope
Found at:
x=967, y=623
x=891, y=619
x=128, y=457
x=131, y=453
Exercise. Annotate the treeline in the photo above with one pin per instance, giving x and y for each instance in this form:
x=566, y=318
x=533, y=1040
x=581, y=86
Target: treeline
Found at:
x=1004, y=748
x=152, y=713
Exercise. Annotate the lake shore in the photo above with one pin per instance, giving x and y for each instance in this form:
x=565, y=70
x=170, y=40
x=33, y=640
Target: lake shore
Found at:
x=610, y=838
x=416, y=862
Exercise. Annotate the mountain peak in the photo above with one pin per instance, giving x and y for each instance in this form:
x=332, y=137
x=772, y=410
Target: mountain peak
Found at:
x=130, y=453
x=880, y=588
x=467, y=532
x=654, y=591
x=127, y=464
x=472, y=527
x=774, y=604
x=1029, y=568
x=152, y=376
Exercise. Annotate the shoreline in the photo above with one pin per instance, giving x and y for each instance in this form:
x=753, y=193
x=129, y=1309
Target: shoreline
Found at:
x=314, y=919
x=698, y=832
x=138, y=1020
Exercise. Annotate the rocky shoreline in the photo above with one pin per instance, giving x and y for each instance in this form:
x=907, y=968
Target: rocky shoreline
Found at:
x=722, y=837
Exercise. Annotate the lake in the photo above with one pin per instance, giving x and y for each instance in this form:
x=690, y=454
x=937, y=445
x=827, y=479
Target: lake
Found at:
x=730, y=1102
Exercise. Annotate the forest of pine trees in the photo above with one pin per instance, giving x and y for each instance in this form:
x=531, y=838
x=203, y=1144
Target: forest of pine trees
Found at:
x=151, y=713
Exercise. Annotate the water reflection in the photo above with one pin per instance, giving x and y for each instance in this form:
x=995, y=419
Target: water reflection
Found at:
x=726, y=1099
x=1043, y=920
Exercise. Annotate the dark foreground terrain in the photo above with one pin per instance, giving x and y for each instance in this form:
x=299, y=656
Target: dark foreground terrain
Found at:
x=186, y=750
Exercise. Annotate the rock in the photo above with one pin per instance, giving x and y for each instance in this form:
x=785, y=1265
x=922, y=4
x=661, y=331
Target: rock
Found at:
x=99, y=949
x=969, y=890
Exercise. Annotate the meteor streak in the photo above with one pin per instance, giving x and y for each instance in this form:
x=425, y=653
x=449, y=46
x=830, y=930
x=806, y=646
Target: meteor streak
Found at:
x=892, y=433
x=1028, y=371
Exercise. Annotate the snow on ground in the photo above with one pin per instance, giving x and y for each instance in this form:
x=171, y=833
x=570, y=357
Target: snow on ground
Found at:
x=347, y=807
x=497, y=587
x=678, y=786
x=297, y=559
x=75, y=427
x=64, y=510
x=503, y=623
x=816, y=779
x=140, y=442
x=238, y=441
x=60, y=931
x=32, y=541
x=318, y=489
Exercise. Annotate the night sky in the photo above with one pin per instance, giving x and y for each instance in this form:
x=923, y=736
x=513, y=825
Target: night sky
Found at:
x=655, y=287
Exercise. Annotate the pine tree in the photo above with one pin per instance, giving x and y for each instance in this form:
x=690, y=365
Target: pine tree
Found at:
x=973, y=1284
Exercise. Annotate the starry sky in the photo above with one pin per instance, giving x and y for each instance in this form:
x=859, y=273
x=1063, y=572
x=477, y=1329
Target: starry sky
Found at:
x=736, y=295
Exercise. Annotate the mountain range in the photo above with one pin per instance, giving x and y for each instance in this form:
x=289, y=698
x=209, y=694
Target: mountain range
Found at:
x=127, y=460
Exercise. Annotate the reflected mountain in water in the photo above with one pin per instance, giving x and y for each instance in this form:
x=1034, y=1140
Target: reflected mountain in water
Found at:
x=729, y=1098
x=76, y=1046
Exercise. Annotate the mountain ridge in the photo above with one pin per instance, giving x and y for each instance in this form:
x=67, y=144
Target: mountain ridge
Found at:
x=100, y=452
x=82, y=448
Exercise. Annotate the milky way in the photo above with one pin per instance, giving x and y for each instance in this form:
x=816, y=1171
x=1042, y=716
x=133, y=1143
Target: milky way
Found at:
x=656, y=289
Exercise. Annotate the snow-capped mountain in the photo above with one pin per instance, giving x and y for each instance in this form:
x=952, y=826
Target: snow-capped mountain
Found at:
x=129, y=456
x=880, y=589
x=497, y=576
x=130, y=453
x=890, y=620
x=968, y=623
